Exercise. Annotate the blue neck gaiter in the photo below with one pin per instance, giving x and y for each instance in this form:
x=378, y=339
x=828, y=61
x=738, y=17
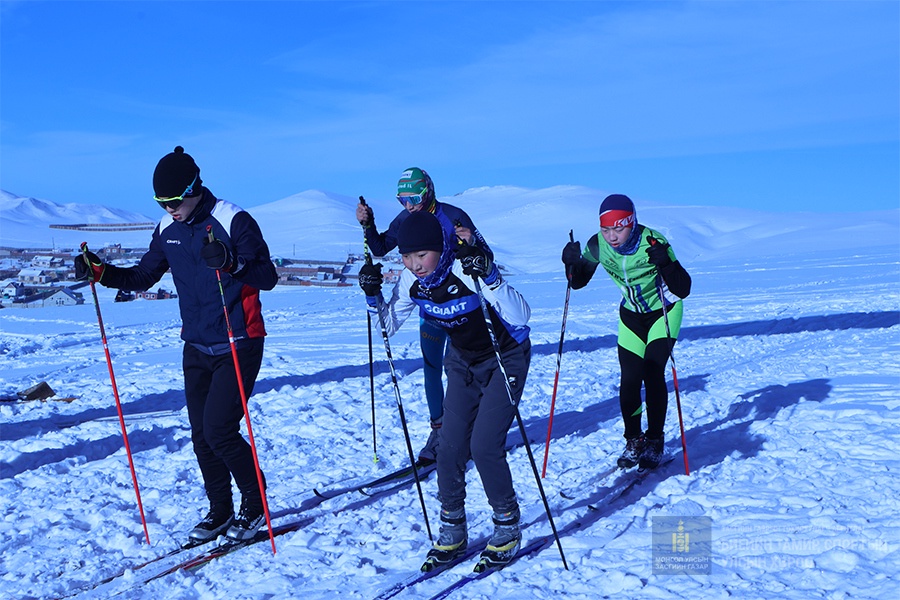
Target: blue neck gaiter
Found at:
x=634, y=240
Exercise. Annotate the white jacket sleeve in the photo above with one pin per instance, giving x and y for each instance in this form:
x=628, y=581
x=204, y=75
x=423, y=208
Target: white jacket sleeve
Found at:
x=395, y=311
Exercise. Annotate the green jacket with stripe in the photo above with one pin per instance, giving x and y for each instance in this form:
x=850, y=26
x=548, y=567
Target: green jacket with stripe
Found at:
x=634, y=274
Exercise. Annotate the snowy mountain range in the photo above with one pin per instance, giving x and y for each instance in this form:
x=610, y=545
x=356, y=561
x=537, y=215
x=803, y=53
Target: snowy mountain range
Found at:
x=526, y=228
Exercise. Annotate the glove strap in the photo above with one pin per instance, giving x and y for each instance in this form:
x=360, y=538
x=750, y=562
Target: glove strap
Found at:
x=493, y=277
x=98, y=271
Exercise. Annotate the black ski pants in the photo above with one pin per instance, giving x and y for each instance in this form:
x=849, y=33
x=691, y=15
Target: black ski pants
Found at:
x=477, y=416
x=215, y=411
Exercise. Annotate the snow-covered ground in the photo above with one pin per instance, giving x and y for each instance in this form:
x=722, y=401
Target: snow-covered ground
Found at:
x=790, y=390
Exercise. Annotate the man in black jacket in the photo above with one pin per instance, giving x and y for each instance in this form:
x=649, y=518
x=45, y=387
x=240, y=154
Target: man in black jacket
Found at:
x=200, y=235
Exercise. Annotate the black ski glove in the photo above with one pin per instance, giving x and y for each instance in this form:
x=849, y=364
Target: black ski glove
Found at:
x=370, y=279
x=89, y=267
x=658, y=253
x=475, y=262
x=571, y=254
x=216, y=255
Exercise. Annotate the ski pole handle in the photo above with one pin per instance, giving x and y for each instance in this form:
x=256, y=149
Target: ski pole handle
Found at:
x=366, y=253
x=459, y=240
x=571, y=236
x=84, y=254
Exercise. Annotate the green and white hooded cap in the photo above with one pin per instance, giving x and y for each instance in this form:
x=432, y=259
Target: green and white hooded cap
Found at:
x=416, y=181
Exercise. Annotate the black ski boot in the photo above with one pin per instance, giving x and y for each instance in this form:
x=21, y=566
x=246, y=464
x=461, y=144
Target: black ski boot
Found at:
x=652, y=453
x=632, y=454
x=248, y=521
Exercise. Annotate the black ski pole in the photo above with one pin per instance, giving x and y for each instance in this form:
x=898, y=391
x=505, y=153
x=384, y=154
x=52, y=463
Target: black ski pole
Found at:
x=368, y=257
x=537, y=477
x=562, y=334
x=412, y=459
x=662, y=299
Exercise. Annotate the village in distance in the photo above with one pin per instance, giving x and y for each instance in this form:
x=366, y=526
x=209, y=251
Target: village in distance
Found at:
x=41, y=277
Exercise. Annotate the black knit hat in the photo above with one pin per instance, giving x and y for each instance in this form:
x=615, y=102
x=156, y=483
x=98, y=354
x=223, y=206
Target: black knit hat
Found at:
x=420, y=231
x=174, y=173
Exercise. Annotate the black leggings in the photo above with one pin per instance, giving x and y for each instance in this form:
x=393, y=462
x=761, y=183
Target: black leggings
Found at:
x=648, y=371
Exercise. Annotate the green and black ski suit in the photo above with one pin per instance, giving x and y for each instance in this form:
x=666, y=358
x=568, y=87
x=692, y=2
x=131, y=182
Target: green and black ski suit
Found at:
x=643, y=343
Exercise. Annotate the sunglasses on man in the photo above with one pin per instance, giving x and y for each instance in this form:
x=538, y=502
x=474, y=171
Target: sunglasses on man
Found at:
x=413, y=200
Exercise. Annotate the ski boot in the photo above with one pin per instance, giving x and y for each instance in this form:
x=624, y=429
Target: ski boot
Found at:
x=504, y=543
x=249, y=520
x=652, y=453
x=452, y=542
x=632, y=454
x=217, y=520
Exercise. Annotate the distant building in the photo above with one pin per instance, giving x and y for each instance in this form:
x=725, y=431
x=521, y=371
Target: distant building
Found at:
x=113, y=252
x=53, y=297
x=64, y=297
x=13, y=290
x=37, y=276
x=326, y=273
x=30, y=301
x=41, y=261
x=159, y=294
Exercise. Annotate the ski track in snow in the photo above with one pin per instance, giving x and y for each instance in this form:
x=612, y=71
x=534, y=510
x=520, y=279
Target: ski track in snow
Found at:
x=789, y=388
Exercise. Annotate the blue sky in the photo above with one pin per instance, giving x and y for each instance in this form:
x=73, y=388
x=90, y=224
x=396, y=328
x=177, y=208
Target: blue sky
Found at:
x=784, y=106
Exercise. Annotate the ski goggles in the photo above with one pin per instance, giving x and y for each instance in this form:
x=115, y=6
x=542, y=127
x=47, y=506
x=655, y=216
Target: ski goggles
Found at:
x=176, y=201
x=413, y=200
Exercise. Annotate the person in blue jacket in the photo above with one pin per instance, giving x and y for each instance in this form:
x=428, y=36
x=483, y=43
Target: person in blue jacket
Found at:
x=181, y=242
x=415, y=191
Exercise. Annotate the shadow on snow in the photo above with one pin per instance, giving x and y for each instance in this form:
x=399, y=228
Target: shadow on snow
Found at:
x=579, y=423
x=708, y=444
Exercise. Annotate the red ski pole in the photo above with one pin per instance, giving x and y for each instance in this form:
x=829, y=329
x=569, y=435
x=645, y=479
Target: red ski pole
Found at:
x=562, y=334
x=240, y=380
x=115, y=389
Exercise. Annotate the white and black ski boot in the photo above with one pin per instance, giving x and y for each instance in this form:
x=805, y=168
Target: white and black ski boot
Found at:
x=217, y=520
x=249, y=520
